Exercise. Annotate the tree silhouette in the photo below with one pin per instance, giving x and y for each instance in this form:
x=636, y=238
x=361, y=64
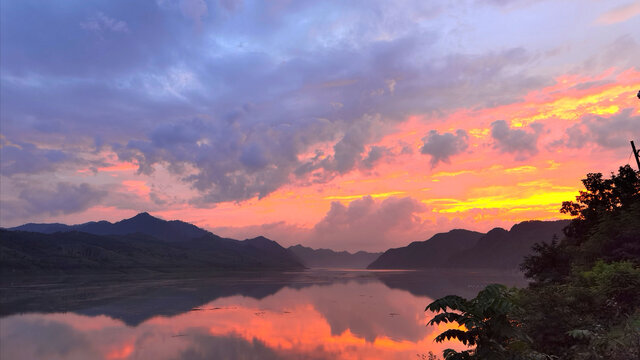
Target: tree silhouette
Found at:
x=486, y=323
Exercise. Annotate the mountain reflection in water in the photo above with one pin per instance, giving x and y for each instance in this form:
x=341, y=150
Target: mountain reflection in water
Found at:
x=315, y=314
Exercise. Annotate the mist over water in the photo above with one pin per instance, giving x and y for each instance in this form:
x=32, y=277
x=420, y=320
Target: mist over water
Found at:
x=314, y=314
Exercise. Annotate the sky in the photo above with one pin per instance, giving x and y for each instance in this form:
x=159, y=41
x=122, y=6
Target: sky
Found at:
x=351, y=125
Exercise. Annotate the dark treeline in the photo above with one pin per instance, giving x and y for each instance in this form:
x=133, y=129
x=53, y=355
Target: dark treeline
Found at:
x=583, y=301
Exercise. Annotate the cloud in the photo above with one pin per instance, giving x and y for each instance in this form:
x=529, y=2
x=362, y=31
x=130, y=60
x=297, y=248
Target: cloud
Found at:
x=237, y=159
x=231, y=161
x=256, y=99
x=608, y=132
x=101, y=22
x=195, y=10
x=363, y=224
x=27, y=158
x=348, y=151
x=369, y=224
x=261, y=109
x=442, y=146
x=231, y=5
x=608, y=55
x=64, y=198
x=519, y=141
x=619, y=14
x=375, y=155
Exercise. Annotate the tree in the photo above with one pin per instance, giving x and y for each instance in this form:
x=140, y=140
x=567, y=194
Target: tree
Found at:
x=487, y=322
x=584, y=302
x=606, y=226
x=551, y=264
x=602, y=197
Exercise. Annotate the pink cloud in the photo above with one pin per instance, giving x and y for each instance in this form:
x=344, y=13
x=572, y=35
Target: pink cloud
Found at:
x=620, y=14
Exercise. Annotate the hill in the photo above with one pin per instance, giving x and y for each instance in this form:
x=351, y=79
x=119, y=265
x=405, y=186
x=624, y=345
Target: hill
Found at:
x=502, y=249
x=329, y=258
x=174, y=230
x=432, y=253
x=141, y=243
x=497, y=249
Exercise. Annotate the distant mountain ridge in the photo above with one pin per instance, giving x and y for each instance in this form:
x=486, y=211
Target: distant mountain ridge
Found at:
x=432, y=253
x=144, y=223
x=142, y=242
x=330, y=258
x=497, y=249
x=502, y=249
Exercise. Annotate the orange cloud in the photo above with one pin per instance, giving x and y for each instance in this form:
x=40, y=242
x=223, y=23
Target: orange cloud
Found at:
x=138, y=187
x=123, y=166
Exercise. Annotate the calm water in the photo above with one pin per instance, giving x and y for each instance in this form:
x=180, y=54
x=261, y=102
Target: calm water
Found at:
x=316, y=314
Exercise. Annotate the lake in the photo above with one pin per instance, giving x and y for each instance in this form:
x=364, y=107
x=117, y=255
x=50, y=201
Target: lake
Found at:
x=313, y=314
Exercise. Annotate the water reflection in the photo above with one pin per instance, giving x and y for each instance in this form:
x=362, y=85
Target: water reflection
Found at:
x=309, y=315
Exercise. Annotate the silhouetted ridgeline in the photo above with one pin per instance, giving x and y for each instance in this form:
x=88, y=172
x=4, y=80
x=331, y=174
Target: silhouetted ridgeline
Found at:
x=329, y=258
x=146, y=243
x=432, y=253
x=497, y=249
x=140, y=243
x=174, y=230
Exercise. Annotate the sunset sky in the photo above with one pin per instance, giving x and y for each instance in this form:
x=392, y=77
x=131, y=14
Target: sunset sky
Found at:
x=352, y=125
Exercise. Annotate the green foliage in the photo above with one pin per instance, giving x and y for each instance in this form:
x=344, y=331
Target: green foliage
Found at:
x=617, y=284
x=582, y=314
x=587, y=287
x=550, y=264
x=616, y=343
x=488, y=324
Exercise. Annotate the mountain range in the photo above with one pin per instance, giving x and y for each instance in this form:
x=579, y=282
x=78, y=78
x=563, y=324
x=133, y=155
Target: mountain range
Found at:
x=143, y=223
x=333, y=259
x=141, y=243
x=147, y=243
x=497, y=249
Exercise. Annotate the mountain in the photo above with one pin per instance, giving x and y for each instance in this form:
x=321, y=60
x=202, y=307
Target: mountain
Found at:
x=497, y=249
x=432, y=253
x=502, y=249
x=174, y=230
x=141, y=243
x=329, y=258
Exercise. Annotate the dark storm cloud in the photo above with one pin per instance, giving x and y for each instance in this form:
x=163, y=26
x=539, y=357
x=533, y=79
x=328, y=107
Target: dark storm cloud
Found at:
x=608, y=132
x=523, y=142
x=442, y=146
